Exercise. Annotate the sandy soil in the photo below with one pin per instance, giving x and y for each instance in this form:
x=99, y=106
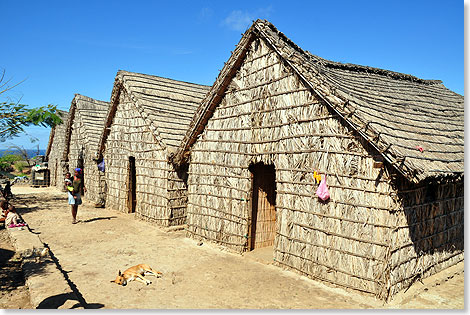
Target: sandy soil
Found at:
x=194, y=276
x=13, y=292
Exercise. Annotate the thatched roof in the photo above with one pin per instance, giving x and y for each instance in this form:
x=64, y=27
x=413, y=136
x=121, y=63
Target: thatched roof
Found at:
x=396, y=113
x=166, y=105
x=92, y=113
x=64, y=116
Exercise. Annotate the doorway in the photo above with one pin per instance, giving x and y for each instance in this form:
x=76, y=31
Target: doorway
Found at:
x=131, y=193
x=56, y=180
x=262, y=229
x=80, y=165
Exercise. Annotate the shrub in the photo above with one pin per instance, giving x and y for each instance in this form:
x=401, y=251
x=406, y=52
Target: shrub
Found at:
x=7, y=161
x=20, y=165
x=5, y=166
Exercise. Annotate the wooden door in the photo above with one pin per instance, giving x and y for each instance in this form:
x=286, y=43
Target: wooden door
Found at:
x=263, y=218
x=131, y=192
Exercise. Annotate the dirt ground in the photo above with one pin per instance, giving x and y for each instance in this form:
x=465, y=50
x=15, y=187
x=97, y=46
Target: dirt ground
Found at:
x=13, y=292
x=194, y=276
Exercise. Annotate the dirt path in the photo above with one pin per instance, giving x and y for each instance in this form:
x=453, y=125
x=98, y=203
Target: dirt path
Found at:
x=105, y=241
x=13, y=292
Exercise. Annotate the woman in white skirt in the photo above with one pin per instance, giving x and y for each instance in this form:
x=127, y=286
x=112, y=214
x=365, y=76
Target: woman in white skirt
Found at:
x=75, y=199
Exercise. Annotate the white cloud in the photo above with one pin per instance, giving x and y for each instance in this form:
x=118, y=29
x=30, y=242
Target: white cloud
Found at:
x=238, y=20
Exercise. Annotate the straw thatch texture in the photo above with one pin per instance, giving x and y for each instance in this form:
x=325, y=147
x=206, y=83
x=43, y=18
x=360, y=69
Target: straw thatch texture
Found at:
x=262, y=108
x=84, y=126
x=54, y=151
x=395, y=112
x=429, y=231
x=268, y=115
x=147, y=120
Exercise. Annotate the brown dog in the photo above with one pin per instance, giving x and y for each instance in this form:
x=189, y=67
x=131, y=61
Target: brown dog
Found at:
x=136, y=273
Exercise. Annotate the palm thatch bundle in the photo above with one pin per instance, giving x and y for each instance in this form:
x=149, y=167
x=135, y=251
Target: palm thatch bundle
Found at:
x=84, y=125
x=144, y=126
x=55, y=150
x=390, y=145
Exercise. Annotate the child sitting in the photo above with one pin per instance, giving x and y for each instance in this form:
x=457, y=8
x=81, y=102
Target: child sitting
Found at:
x=13, y=219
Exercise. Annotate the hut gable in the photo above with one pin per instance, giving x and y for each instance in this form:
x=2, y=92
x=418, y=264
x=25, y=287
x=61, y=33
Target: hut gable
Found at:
x=87, y=114
x=144, y=125
x=417, y=125
x=55, y=149
x=166, y=105
x=63, y=115
x=84, y=125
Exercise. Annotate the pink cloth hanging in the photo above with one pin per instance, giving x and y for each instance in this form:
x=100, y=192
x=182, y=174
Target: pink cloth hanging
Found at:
x=322, y=191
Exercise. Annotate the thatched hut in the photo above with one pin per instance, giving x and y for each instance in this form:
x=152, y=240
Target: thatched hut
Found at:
x=146, y=122
x=55, y=150
x=82, y=135
x=390, y=145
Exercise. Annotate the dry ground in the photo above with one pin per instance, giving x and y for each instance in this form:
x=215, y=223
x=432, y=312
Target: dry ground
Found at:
x=13, y=292
x=105, y=241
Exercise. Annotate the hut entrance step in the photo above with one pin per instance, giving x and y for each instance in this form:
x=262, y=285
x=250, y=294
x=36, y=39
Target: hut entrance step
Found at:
x=263, y=214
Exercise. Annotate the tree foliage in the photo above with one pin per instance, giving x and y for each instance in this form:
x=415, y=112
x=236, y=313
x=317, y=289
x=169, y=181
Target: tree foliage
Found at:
x=14, y=116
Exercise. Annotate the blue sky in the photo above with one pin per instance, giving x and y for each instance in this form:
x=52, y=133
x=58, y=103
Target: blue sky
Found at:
x=62, y=47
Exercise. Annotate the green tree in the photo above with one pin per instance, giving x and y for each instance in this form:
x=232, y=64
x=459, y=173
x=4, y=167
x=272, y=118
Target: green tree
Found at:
x=14, y=116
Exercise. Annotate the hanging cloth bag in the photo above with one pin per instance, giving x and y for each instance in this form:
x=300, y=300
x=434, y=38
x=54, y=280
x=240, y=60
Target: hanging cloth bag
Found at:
x=322, y=191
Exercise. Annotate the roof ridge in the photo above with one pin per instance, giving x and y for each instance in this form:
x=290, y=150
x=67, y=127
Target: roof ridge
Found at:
x=322, y=62
x=160, y=77
x=82, y=97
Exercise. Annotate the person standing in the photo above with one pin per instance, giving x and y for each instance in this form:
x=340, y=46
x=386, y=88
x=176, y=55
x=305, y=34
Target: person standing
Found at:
x=75, y=198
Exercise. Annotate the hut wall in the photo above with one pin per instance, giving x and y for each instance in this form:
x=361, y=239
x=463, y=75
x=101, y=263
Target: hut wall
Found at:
x=130, y=136
x=267, y=115
x=429, y=233
x=81, y=154
x=55, y=164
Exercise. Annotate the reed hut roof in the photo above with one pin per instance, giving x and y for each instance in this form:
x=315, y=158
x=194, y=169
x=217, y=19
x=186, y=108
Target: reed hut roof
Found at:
x=64, y=116
x=417, y=125
x=166, y=105
x=93, y=114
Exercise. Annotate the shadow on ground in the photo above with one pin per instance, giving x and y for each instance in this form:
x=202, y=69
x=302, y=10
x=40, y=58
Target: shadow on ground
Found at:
x=11, y=276
x=56, y=301
x=60, y=299
x=98, y=218
x=23, y=202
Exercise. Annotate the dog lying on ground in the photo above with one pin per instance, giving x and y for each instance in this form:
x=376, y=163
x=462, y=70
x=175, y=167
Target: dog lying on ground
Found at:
x=136, y=273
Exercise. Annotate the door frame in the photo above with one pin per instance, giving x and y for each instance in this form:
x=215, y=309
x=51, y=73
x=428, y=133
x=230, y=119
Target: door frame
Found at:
x=131, y=185
x=253, y=204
